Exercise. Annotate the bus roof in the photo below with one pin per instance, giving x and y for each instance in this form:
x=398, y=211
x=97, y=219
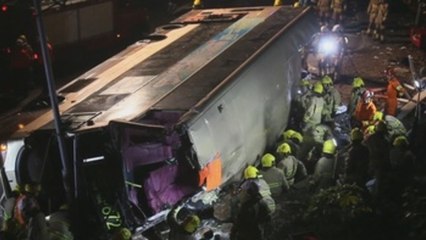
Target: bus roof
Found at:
x=181, y=67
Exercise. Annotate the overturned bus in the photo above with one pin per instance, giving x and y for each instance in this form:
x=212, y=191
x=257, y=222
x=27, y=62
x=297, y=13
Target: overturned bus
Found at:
x=176, y=115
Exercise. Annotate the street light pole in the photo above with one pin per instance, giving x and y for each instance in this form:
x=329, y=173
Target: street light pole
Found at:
x=53, y=99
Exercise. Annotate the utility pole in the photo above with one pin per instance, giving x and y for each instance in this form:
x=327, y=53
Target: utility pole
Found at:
x=53, y=99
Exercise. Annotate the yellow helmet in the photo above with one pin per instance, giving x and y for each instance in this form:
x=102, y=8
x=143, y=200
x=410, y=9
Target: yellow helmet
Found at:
x=329, y=147
x=327, y=81
x=358, y=82
x=268, y=160
x=370, y=130
x=291, y=134
x=298, y=136
x=251, y=172
x=125, y=234
x=400, y=141
x=378, y=116
x=305, y=82
x=296, y=5
x=318, y=88
x=191, y=223
x=356, y=134
x=33, y=188
x=284, y=148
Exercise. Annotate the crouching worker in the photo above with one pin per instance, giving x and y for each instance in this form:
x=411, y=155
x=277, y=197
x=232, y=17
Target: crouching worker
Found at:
x=253, y=216
x=182, y=230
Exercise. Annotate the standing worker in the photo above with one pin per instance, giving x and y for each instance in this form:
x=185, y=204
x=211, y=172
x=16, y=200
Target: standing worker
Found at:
x=293, y=169
x=379, y=21
x=357, y=160
x=372, y=10
x=332, y=99
x=325, y=168
x=337, y=9
x=393, y=90
x=324, y=11
x=314, y=111
x=358, y=88
x=252, y=175
x=252, y=218
x=273, y=176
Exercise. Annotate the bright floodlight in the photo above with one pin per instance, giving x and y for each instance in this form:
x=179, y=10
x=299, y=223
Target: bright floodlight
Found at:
x=328, y=46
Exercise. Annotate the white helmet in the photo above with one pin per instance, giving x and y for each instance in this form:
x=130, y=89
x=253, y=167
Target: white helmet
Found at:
x=337, y=28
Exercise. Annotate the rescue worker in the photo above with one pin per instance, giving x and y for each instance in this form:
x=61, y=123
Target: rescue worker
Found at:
x=314, y=111
x=293, y=169
x=402, y=160
x=251, y=174
x=325, y=168
x=402, y=163
x=378, y=148
x=393, y=125
x=293, y=138
x=357, y=160
x=182, y=230
x=358, y=88
x=379, y=21
x=372, y=10
x=30, y=222
x=21, y=66
x=324, y=7
x=332, y=99
x=300, y=102
x=253, y=217
x=393, y=91
x=337, y=9
x=365, y=109
x=273, y=176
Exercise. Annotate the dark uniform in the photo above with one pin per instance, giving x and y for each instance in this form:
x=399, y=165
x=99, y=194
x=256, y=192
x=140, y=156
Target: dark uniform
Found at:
x=275, y=179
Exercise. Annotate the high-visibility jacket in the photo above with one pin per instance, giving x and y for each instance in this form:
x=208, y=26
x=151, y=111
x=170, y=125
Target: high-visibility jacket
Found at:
x=332, y=100
x=275, y=179
x=324, y=171
x=393, y=89
x=313, y=114
x=264, y=191
x=365, y=111
x=290, y=167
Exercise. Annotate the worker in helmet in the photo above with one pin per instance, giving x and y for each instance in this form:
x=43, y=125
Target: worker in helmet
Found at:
x=358, y=88
x=378, y=148
x=182, y=230
x=273, y=176
x=324, y=9
x=337, y=10
x=293, y=138
x=401, y=158
x=393, y=125
x=314, y=111
x=119, y=234
x=252, y=174
x=365, y=109
x=379, y=21
x=394, y=90
x=28, y=215
x=372, y=11
x=356, y=160
x=300, y=102
x=325, y=168
x=402, y=172
x=253, y=217
x=293, y=169
x=332, y=99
